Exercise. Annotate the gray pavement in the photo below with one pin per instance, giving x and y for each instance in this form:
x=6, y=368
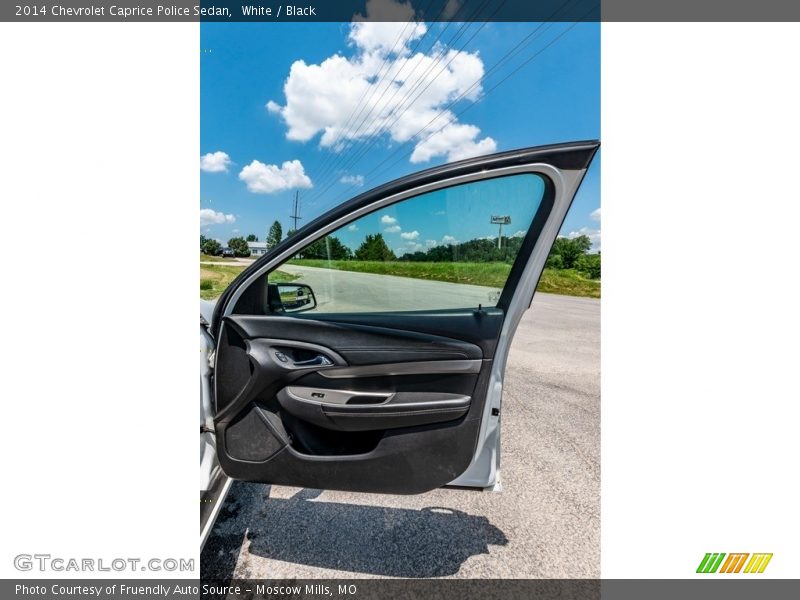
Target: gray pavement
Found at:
x=545, y=522
x=342, y=291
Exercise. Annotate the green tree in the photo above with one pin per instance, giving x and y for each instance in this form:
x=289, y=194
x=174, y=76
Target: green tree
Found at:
x=570, y=249
x=239, y=247
x=212, y=248
x=589, y=264
x=327, y=248
x=374, y=248
x=275, y=235
x=554, y=261
x=252, y=238
x=203, y=240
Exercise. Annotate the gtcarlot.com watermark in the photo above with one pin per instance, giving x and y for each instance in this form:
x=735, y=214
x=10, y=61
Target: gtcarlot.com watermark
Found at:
x=46, y=562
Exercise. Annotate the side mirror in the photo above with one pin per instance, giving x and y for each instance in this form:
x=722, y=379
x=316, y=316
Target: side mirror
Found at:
x=294, y=297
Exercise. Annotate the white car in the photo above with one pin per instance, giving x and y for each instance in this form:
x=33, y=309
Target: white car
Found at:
x=367, y=381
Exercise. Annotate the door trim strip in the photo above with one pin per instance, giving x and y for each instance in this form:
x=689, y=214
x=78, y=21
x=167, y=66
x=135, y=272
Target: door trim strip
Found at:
x=404, y=368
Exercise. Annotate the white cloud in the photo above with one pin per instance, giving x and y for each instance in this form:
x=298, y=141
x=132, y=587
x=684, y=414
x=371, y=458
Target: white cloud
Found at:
x=392, y=229
x=215, y=162
x=449, y=240
x=354, y=180
x=400, y=91
x=410, y=235
x=209, y=216
x=409, y=247
x=431, y=243
x=520, y=233
x=456, y=141
x=592, y=234
x=353, y=227
x=268, y=179
x=388, y=21
x=388, y=220
x=235, y=231
x=595, y=216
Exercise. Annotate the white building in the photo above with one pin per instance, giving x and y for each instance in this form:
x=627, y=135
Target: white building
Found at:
x=257, y=248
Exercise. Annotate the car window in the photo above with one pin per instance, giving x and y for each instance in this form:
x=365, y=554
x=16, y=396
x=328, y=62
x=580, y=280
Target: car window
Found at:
x=449, y=248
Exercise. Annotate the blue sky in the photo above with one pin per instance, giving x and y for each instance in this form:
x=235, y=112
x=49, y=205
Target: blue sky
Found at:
x=332, y=109
x=452, y=215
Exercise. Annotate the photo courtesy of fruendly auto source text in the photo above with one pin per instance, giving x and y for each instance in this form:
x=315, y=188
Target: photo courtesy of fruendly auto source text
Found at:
x=401, y=273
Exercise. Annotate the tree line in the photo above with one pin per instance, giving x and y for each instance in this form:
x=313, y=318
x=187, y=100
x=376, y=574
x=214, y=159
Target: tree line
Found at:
x=239, y=245
x=567, y=253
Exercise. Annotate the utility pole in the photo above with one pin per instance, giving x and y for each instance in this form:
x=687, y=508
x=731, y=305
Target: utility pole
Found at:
x=295, y=217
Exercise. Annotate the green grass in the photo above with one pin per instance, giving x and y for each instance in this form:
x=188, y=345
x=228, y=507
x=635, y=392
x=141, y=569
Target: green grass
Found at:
x=488, y=274
x=215, y=278
x=553, y=281
x=569, y=283
x=210, y=258
x=281, y=277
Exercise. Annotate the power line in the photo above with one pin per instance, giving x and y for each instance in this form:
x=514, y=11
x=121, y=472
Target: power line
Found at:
x=524, y=42
x=404, y=106
x=486, y=94
x=365, y=99
x=499, y=83
x=515, y=50
x=347, y=162
x=350, y=136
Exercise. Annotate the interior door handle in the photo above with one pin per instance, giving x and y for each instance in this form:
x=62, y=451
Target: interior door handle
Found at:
x=318, y=361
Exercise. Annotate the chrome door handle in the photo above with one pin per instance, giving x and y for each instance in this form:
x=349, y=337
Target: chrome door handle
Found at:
x=317, y=361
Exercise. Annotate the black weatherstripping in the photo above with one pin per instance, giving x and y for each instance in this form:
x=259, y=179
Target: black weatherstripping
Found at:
x=570, y=156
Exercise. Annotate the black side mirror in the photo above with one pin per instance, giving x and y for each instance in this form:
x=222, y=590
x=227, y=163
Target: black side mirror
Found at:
x=291, y=297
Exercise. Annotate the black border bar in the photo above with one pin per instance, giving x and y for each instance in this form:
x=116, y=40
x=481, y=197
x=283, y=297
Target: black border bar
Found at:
x=701, y=588
x=273, y=11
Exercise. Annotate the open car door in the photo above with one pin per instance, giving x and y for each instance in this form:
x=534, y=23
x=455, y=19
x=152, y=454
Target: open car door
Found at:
x=367, y=351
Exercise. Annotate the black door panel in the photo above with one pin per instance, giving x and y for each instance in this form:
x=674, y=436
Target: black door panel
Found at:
x=480, y=328
x=399, y=463
x=383, y=396
x=366, y=339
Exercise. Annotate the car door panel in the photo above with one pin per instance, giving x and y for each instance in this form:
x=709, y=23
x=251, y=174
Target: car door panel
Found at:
x=388, y=401
x=371, y=414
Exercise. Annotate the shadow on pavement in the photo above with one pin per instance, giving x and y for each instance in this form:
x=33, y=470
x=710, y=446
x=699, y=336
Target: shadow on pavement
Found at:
x=396, y=542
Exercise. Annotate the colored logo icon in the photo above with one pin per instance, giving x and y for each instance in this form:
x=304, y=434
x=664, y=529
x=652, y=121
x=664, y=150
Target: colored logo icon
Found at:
x=734, y=563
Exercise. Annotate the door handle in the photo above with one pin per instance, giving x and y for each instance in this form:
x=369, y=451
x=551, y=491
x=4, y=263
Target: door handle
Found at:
x=318, y=361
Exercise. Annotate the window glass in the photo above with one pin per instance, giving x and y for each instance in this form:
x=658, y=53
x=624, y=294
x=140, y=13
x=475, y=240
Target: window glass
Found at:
x=450, y=248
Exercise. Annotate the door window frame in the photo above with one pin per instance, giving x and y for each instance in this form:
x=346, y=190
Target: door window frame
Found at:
x=552, y=179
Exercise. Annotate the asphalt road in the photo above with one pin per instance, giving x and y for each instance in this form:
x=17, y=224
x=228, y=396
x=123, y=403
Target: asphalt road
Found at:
x=545, y=522
x=342, y=291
